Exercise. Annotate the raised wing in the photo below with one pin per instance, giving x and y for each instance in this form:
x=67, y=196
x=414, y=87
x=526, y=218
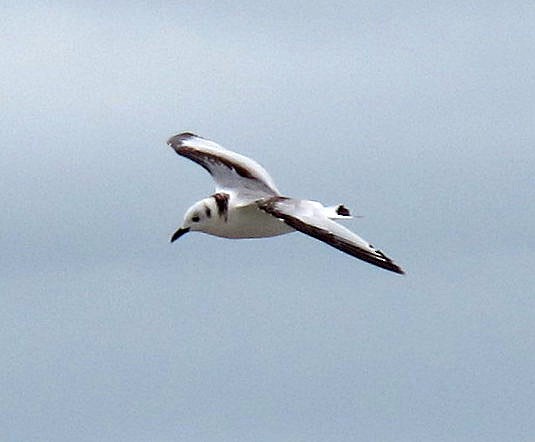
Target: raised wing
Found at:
x=310, y=217
x=231, y=172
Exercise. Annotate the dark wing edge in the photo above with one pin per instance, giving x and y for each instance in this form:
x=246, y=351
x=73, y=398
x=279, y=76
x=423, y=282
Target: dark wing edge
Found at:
x=378, y=259
x=220, y=156
x=203, y=159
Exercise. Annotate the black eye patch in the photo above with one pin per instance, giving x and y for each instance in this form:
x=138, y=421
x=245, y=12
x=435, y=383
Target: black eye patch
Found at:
x=195, y=218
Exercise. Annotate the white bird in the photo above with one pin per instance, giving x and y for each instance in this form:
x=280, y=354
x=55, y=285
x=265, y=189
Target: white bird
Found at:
x=247, y=204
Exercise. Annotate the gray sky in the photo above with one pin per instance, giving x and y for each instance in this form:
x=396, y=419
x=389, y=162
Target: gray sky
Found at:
x=419, y=116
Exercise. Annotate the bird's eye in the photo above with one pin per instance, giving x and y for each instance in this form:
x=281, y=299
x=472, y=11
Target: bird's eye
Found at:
x=195, y=218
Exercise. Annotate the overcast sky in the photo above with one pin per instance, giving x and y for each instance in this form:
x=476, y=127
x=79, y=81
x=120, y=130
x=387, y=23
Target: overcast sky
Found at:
x=419, y=116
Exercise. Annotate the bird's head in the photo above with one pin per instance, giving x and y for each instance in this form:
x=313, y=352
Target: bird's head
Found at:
x=198, y=217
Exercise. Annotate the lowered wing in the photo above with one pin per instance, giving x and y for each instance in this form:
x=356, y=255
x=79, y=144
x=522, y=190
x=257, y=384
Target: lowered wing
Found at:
x=311, y=218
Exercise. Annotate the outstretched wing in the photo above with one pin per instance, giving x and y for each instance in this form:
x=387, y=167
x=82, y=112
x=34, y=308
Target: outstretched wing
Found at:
x=231, y=172
x=311, y=218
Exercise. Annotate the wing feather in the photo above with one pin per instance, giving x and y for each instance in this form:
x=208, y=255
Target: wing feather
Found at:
x=231, y=171
x=309, y=217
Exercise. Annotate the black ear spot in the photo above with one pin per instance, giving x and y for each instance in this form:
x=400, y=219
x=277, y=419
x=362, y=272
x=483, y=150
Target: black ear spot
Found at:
x=207, y=211
x=342, y=210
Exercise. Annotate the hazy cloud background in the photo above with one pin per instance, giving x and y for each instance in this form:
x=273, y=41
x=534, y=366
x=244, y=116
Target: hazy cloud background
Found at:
x=419, y=116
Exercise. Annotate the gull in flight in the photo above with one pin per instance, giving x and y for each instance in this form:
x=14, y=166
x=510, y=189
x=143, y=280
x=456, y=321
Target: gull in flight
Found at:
x=247, y=204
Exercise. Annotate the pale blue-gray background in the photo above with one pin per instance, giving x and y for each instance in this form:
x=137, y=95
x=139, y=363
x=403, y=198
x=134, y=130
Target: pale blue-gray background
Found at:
x=418, y=115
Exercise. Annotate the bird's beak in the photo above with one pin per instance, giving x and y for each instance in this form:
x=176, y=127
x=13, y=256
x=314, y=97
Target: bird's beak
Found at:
x=179, y=233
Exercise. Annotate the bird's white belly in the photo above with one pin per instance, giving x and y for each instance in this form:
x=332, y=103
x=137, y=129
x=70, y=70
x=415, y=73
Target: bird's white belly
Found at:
x=248, y=222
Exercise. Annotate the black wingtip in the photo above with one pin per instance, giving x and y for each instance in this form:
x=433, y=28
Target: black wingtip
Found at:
x=178, y=140
x=387, y=264
x=398, y=269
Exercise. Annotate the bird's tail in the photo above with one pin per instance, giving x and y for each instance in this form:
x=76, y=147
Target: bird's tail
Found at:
x=338, y=212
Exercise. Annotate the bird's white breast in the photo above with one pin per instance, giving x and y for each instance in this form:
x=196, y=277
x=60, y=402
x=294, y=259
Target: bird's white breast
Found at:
x=247, y=222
